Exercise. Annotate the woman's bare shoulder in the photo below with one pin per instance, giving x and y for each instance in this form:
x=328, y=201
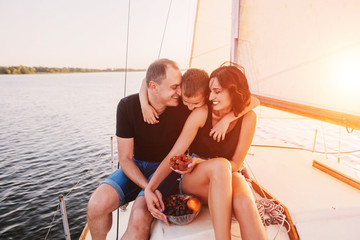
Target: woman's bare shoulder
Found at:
x=250, y=116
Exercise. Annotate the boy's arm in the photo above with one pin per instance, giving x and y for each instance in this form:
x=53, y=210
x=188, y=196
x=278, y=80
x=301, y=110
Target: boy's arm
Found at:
x=218, y=132
x=149, y=114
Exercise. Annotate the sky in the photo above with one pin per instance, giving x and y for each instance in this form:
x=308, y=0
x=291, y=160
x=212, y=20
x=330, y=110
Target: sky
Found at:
x=93, y=34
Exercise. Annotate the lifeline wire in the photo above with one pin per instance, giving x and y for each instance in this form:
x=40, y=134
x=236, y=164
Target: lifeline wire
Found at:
x=58, y=206
x=51, y=224
x=304, y=149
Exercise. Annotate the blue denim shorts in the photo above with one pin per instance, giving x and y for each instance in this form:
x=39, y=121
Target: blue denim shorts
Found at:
x=193, y=155
x=129, y=191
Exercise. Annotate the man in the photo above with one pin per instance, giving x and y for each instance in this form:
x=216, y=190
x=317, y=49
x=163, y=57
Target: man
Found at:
x=141, y=148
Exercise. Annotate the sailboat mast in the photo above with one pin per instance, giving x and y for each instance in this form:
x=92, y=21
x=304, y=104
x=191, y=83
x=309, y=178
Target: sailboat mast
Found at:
x=235, y=23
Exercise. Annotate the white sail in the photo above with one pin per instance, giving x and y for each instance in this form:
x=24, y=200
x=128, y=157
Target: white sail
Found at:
x=305, y=52
x=211, y=45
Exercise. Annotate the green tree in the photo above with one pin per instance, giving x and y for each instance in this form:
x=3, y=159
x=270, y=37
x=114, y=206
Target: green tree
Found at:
x=23, y=70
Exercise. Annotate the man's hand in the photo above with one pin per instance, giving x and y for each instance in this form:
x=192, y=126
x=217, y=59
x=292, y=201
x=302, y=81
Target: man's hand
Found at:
x=246, y=174
x=155, y=204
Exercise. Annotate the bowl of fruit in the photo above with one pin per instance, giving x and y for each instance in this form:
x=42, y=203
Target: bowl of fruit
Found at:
x=181, y=209
x=180, y=162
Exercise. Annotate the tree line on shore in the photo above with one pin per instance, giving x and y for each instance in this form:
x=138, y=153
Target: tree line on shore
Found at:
x=28, y=70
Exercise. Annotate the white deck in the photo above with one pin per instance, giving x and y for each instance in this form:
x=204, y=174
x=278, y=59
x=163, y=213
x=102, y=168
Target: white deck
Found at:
x=321, y=206
x=200, y=228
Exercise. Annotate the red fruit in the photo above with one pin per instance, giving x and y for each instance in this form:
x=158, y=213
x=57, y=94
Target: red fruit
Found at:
x=194, y=204
x=180, y=162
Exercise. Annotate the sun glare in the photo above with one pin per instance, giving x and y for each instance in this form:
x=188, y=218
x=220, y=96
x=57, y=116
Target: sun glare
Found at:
x=348, y=74
x=344, y=80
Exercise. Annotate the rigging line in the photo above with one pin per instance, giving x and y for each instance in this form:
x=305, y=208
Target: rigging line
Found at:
x=210, y=51
x=304, y=149
x=127, y=49
x=167, y=18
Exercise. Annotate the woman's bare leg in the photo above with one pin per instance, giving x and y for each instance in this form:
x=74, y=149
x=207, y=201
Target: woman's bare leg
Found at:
x=211, y=181
x=245, y=210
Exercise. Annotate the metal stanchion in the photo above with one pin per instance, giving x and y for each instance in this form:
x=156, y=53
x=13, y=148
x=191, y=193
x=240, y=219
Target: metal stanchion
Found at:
x=64, y=217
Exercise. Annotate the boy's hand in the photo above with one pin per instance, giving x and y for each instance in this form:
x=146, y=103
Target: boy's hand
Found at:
x=149, y=114
x=218, y=132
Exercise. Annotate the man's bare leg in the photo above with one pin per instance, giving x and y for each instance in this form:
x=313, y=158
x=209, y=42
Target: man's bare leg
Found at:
x=140, y=220
x=102, y=203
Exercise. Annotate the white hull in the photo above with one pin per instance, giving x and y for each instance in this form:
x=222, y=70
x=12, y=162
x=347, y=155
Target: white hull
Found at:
x=321, y=207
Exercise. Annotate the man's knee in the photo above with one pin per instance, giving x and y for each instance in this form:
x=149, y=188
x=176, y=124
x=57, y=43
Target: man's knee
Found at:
x=140, y=212
x=140, y=219
x=103, y=201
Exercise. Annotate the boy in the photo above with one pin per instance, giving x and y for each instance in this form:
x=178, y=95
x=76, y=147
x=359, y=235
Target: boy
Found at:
x=194, y=93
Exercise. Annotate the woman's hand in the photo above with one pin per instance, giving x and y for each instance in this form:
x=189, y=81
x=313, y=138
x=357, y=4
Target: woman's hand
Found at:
x=149, y=114
x=155, y=204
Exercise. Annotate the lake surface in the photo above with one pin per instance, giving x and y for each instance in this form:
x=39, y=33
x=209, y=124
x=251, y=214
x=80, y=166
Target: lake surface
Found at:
x=55, y=134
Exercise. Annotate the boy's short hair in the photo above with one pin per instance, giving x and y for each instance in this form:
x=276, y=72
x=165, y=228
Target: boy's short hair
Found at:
x=195, y=81
x=156, y=72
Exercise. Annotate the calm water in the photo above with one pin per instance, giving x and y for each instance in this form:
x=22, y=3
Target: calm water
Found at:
x=55, y=139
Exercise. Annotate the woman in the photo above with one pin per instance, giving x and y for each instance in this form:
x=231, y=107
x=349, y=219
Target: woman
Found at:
x=216, y=180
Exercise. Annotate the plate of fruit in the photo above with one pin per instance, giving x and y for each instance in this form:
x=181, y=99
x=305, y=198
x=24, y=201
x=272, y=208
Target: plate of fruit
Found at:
x=181, y=209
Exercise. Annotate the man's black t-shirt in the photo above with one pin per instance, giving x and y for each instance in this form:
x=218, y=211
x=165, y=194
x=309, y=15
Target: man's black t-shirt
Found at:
x=152, y=142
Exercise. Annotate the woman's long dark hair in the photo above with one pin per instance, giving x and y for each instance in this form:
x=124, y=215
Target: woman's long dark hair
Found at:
x=234, y=79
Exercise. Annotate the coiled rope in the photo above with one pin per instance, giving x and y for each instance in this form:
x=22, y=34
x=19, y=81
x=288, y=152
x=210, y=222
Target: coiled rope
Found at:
x=269, y=207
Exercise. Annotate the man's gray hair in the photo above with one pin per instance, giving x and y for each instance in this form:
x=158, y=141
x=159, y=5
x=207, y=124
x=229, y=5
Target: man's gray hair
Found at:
x=156, y=72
